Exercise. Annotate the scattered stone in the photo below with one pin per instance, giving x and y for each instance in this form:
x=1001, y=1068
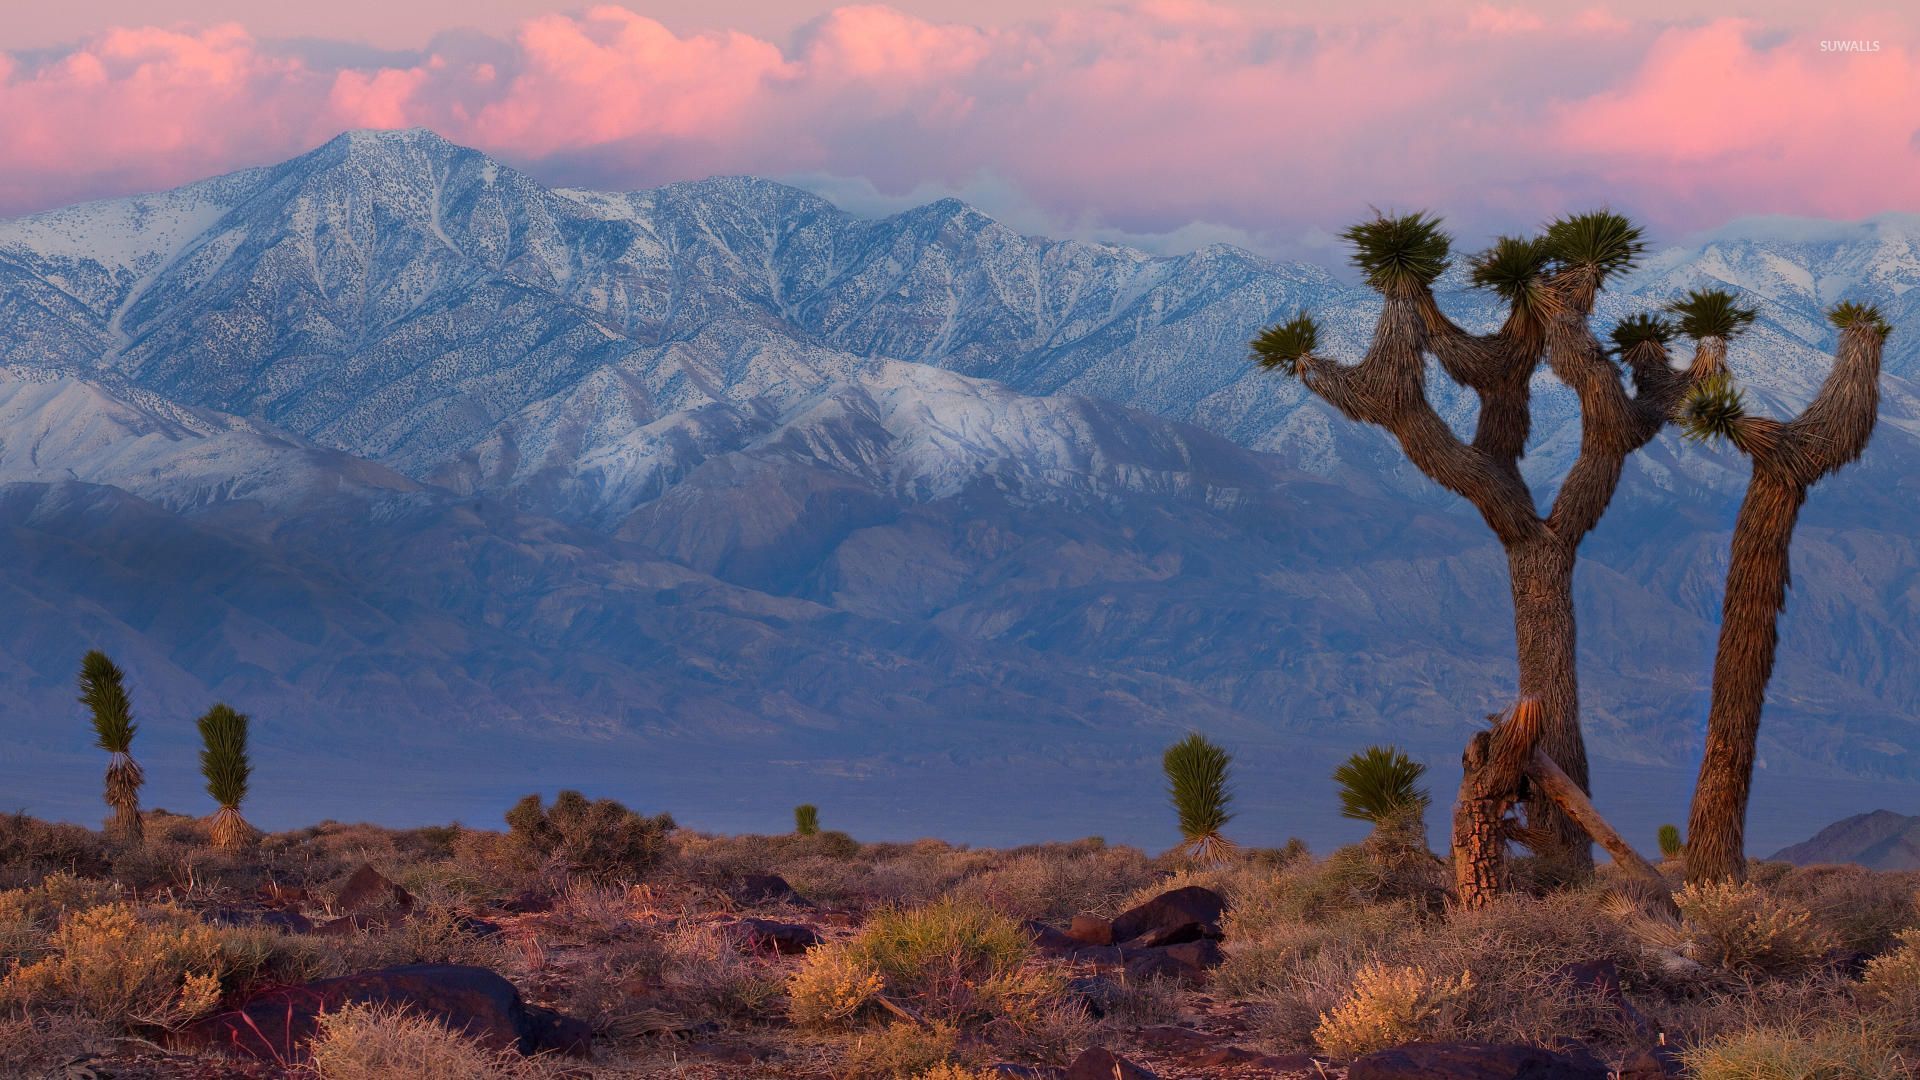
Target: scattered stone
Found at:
x=787, y=939
x=369, y=890
x=1473, y=1061
x=527, y=902
x=1239, y=1057
x=1171, y=910
x=1100, y=955
x=766, y=889
x=1176, y=1039
x=1091, y=930
x=1190, y=962
x=275, y=1025
x=1049, y=940
x=1652, y=1063
x=1174, y=935
x=291, y=922
x=1099, y=1063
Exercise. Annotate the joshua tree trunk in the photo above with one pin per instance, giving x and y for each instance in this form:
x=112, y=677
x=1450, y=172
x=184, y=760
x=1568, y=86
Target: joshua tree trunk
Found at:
x=1542, y=576
x=1788, y=459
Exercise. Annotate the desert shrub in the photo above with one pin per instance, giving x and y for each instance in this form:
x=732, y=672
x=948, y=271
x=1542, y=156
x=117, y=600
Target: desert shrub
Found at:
x=158, y=967
x=901, y=1050
x=38, y=1043
x=1053, y=1031
x=1793, y=1054
x=703, y=972
x=600, y=839
x=833, y=844
x=1862, y=908
x=1390, y=1006
x=28, y=916
x=31, y=848
x=360, y=1042
x=1741, y=928
x=1891, y=982
x=1057, y=881
x=959, y=1072
x=1138, y=1003
x=832, y=987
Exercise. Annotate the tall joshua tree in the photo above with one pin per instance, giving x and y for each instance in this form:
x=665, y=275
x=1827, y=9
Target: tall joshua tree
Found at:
x=224, y=762
x=1549, y=284
x=104, y=693
x=1788, y=459
x=1197, y=784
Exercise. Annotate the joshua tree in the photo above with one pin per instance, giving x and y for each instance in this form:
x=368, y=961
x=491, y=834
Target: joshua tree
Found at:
x=1788, y=458
x=1549, y=284
x=104, y=694
x=1381, y=785
x=1670, y=846
x=1197, y=783
x=806, y=819
x=223, y=761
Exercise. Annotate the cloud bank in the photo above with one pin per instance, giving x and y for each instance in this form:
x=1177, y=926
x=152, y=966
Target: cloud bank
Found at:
x=1168, y=118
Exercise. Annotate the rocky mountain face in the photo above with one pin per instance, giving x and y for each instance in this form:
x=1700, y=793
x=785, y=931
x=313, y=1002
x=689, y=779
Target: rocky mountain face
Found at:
x=393, y=431
x=1882, y=840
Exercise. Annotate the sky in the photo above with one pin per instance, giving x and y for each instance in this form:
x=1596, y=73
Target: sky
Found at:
x=1167, y=123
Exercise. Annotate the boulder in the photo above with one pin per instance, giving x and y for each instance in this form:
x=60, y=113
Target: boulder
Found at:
x=275, y=1025
x=766, y=889
x=1091, y=930
x=1170, y=911
x=1100, y=955
x=368, y=890
x=1652, y=1063
x=1473, y=1061
x=1190, y=962
x=1099, y=1063
x=787, y=939
x=1049, y=940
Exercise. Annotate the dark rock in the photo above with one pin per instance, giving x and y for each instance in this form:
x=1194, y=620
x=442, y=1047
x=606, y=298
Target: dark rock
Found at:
x=1091, y=930
x=477, y=926
x=527, y=902
x=291, y=922
x=1189, y=961
x=1175, y=935
x=1473, y=1061
x=1105, y=955
x=1097, y=993
x=1191, y=904
x=1240, y=1058
x=1049, y=940
x=1169, y=1037
x=788, y=939
x=766, y=889
x=1099, y=1063
x=369, y=890
x=275, y=1025
x=1652, y=1063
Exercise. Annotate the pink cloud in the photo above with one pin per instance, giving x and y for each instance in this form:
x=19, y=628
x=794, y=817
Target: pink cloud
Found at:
x=1140, y=119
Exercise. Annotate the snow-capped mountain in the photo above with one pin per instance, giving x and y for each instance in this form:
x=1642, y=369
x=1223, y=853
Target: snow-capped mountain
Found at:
x=720, y=463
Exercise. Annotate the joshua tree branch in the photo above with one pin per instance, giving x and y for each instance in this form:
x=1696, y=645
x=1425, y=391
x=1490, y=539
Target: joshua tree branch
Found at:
x=1613, y=425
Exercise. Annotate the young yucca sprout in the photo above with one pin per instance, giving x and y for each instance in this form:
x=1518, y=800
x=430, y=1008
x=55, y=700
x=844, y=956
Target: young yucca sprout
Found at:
x=1670, y=844
x=1601, y=241
x=224, y=762
x=1197, y=783
x=1382, y=785
x=806, y=819
x=1409, y=249
x=103, y=692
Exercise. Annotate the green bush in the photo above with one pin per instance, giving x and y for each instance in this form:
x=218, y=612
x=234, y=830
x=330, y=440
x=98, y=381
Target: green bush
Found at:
x=601, y=839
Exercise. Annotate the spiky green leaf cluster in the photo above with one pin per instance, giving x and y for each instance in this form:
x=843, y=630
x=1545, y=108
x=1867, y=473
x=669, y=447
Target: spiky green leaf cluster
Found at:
x=104, y=693
x=1408, y=249
x=1380, y=784
x=1640, y=330
x=806, y=819
x=1284, y=345
x=1712, y=409
x=223, y=757
x=1848, y=315
x=1708, y=313
x=1197, y=783
x=1512, y=267
x=1601, y=240
x=1670, y=845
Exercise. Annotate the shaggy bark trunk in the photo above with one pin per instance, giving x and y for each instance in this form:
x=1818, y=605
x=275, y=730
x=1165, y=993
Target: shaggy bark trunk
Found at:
x=1479, y=827
x=1542, y=576
x=1757, y=576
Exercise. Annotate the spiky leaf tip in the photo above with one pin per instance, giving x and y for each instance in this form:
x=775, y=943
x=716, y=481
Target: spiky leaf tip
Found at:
x=1601, y=240
x=1848, y=315
x=1284, y=345
x=1708, y=313
x=1397, y=251
x=1379, y=784
x=1641, y=329
x=1713, y=409
x=1512, y=267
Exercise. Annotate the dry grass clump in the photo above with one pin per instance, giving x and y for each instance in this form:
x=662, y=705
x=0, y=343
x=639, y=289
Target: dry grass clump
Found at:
x=1744, y=929
x=959, y=1072
x=359, y=1042
x=1058, y=881
x=1863, y=909
x=947, y=960
x=1843, y=1053
x=901, y=1050
x=124, y=966
x=39, y=1042
x=1891, y=984
x=1391, y=1005
x=30, y=849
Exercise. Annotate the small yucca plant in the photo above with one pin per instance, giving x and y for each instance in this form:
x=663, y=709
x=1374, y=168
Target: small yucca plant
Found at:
x=224, y=762
x=1382, y=785
x=1641, y=329
x=1711, y=313
x=1602, y=242
x=806, y=819
x=1513, y=269
x=1197, y=783
x=104, y=693
x=1670, y=844
x=1409, y=249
